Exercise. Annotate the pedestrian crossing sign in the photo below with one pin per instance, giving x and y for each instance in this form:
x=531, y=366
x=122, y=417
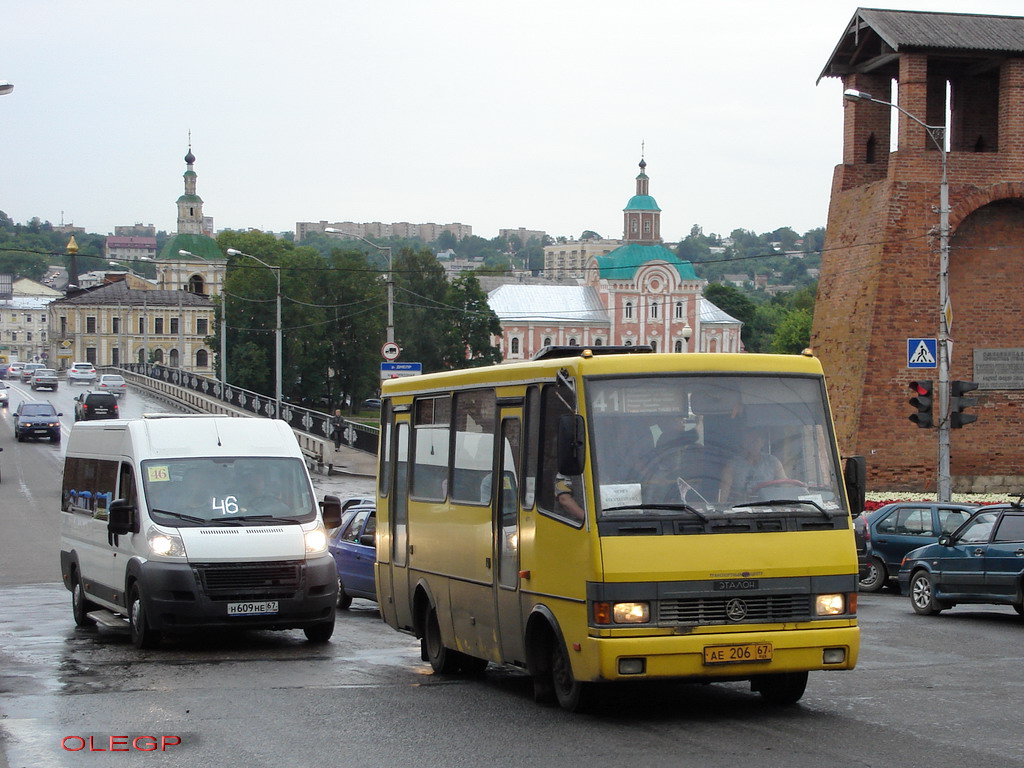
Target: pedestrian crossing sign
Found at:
x=922, y=353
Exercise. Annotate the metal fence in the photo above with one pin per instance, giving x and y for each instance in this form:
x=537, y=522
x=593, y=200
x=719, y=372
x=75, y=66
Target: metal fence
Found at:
x=362, y=437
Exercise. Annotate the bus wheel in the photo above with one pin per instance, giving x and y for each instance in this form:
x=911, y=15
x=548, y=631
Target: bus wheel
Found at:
x=443, y=660
x=143, y=636
x=571, y=693
x=783, y=688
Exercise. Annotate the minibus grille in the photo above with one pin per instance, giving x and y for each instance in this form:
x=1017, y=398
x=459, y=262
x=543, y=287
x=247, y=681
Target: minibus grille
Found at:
x=760, y=609
x=244, y=581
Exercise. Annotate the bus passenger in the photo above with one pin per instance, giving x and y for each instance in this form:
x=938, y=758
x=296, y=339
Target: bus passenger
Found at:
x=752, y=468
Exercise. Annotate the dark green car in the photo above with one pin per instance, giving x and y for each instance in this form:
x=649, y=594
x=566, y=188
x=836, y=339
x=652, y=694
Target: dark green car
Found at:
x=982, y=561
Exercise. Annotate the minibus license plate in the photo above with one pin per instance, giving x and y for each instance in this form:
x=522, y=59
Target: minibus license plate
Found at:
x=737, y=654
x=264, y=608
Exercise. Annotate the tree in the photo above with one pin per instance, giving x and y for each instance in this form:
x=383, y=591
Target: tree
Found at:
x=447, y=241
x=472, y=327
x=421, y=290
x=589, y=234
x=793, y=333
x=732, y=301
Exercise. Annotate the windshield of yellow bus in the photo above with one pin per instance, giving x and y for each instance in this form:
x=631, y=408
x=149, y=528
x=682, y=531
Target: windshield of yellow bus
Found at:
x=722, y=446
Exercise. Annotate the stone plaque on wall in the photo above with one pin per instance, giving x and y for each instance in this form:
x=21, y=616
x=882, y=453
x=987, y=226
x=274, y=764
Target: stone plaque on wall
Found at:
x=999, y=368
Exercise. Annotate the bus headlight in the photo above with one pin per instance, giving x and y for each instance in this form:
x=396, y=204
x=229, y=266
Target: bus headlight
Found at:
x=165, y=544
x=830, y=605
x=631, y=613
x=316, y=540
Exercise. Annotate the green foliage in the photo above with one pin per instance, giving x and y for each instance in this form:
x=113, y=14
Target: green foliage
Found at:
x=472, y=326
x=793, y=333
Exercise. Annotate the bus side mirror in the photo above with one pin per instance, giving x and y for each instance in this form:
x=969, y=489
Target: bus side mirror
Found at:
x=330, y=508
x=119, y=517
x=572, y=445
x=855, y=476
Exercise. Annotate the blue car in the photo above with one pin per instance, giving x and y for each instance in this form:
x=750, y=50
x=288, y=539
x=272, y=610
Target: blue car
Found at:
x=981, y=562
x=354, y=552
x=895, y=529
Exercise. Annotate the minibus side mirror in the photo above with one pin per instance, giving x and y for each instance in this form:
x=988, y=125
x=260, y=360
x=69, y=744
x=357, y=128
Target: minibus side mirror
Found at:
x=572, y=446
x=119, y=518
x=330, y=508
x=855, y=475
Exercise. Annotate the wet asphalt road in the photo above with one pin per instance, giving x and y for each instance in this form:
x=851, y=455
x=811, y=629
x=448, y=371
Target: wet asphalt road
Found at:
x=941, y=691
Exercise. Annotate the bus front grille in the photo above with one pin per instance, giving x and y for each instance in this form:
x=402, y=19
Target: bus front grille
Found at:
x=748, y=609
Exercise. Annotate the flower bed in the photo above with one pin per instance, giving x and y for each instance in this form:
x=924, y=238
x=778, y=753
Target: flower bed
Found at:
x=876, y=499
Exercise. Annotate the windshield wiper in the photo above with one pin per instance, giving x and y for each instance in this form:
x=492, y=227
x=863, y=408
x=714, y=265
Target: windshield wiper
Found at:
x=267, y=518
x=180, y=515
x=672, y=507
x=784, y=503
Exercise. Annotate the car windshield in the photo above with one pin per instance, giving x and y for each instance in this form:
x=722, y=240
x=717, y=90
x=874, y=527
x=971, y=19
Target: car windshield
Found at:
x=37, y=409
x=715, y=450
x=228, y=491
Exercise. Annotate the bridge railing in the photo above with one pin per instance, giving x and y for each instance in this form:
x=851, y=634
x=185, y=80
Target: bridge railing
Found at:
x=313, y=428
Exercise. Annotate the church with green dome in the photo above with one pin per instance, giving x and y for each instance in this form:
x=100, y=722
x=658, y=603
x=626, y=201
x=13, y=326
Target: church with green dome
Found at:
x=629, y=292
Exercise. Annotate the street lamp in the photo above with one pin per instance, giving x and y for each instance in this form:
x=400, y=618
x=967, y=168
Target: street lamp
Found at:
x=937, y=134
x=277, y=330
x=390, y=278
x=5, y=87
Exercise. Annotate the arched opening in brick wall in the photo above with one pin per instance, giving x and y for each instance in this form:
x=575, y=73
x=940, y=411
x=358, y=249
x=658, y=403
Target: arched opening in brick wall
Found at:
x=986, y=283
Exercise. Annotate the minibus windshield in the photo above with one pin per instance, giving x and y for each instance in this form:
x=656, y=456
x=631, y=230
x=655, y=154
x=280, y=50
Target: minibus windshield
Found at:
x=227, y=491
x=714, y=448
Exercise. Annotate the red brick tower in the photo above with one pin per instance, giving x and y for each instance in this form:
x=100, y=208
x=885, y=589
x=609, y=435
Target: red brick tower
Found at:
x=879, y=282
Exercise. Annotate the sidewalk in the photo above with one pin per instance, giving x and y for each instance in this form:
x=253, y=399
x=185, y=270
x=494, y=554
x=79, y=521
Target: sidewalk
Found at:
x=348, y=461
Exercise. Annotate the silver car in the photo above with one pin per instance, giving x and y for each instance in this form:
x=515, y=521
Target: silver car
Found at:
x=44, y=378
x=111, y=382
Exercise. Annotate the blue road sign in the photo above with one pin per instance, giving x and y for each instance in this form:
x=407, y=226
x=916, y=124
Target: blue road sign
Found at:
x=394, y=370
x=922, y=353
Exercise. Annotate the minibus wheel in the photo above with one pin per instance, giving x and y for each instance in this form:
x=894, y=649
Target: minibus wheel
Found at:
x=571, y=693
x=782, y=688
x=443, y=660
x=319, y=633
x=80, y=607
x=143, y=636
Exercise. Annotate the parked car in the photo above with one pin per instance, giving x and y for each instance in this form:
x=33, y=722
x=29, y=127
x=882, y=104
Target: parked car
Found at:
x=28, y=369
x=980, y=562
x=372, y=403
x=14, y=370
x=95, y=405
x=895, y=529
x=45, y=378
x=81, y=373
x=111, y=382
x=37, y=420
x=352, y=547
x=4, y=394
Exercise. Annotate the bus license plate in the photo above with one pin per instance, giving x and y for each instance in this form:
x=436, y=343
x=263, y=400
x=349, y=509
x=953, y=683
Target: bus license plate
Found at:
x=737, y=654
x=266, y=608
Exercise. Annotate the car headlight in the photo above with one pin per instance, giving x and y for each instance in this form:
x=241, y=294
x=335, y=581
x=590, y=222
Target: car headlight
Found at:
x=316, y=540
x=830, y=605
x=165, y=544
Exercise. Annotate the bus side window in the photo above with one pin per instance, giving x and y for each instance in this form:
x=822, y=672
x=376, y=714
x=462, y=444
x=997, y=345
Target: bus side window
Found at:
x=552, y=408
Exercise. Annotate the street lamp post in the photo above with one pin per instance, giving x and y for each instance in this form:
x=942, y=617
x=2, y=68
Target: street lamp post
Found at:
x=937, y=134
x=277, y=329
x=6, y=87
x=390, y=277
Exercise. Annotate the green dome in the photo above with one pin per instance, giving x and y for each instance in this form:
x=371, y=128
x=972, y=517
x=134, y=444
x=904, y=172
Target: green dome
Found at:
x=622, y=263
x=200, y=246
x=641, y=203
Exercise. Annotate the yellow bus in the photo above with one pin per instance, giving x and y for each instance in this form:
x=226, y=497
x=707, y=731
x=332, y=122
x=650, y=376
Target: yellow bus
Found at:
x=611, y=514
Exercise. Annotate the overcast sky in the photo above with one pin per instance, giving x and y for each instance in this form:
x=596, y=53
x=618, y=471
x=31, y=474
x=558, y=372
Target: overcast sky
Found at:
x=493, y=114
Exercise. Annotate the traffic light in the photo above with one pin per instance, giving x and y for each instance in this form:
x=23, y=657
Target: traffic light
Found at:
x=957, y=403
x=922, y=400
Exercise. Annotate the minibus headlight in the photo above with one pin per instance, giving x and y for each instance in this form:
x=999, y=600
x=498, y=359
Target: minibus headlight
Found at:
x=316, y=540
x=830, y=605
x=631, y=613
x=165, y=544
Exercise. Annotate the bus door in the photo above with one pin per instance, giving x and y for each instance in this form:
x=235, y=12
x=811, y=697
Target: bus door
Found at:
x=506, y=540
x=398, y=521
